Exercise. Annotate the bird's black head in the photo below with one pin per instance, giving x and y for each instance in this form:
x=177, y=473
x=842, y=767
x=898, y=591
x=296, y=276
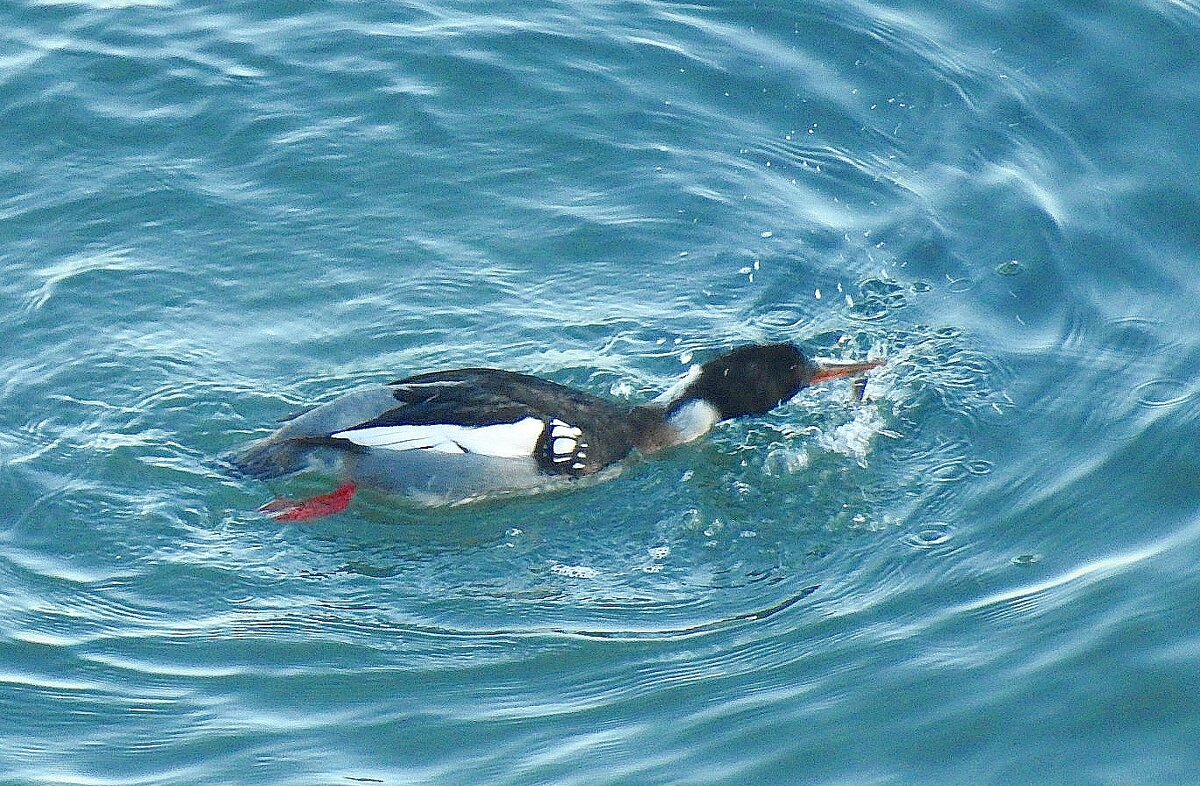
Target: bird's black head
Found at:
x=750, y=380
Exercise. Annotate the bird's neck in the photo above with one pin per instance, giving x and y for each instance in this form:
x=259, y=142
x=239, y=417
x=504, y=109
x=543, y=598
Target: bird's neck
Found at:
x=666, y=426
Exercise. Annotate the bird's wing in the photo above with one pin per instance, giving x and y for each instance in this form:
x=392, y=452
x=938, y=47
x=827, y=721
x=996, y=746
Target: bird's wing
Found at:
x=498, y=413
x=452, y=412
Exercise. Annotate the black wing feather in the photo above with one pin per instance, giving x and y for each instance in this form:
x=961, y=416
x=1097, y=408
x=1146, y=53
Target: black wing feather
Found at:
x=484, y=397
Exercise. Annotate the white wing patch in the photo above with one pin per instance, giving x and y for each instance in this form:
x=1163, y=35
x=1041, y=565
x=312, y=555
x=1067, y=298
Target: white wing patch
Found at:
x=567, y=444
x=502, y=440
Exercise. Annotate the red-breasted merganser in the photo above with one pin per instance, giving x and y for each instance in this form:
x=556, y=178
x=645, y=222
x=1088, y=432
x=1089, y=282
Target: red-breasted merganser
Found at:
x=449, y=437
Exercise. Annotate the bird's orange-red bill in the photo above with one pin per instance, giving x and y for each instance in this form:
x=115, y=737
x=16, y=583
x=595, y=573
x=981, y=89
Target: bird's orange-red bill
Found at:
x=827, y=370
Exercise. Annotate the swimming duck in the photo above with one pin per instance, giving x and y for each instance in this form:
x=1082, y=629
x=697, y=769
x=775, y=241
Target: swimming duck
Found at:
x=449, y=437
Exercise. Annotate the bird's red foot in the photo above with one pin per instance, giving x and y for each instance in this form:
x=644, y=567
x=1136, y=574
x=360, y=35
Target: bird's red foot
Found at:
x=287, y=510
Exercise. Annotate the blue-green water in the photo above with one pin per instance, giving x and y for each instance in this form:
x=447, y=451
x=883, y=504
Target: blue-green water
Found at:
x=212, y=214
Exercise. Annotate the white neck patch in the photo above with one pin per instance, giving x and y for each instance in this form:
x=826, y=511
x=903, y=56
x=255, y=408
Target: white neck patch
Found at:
x=694, y=419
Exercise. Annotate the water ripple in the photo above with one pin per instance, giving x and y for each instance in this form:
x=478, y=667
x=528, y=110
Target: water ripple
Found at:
x=215, y=216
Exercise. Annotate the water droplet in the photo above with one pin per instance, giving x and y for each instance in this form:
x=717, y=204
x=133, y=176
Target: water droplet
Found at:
x=950, y=471
x=1162, y=393
x=931, y=535
x=780, y=462
x=878, y=297
x=980, y=467
x=866, y=311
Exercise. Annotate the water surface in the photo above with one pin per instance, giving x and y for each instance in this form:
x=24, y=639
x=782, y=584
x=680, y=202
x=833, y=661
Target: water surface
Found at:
x=213, y=214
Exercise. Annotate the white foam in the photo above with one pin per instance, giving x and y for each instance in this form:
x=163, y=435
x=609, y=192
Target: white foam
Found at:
x=574, y=571
x=854, y=438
